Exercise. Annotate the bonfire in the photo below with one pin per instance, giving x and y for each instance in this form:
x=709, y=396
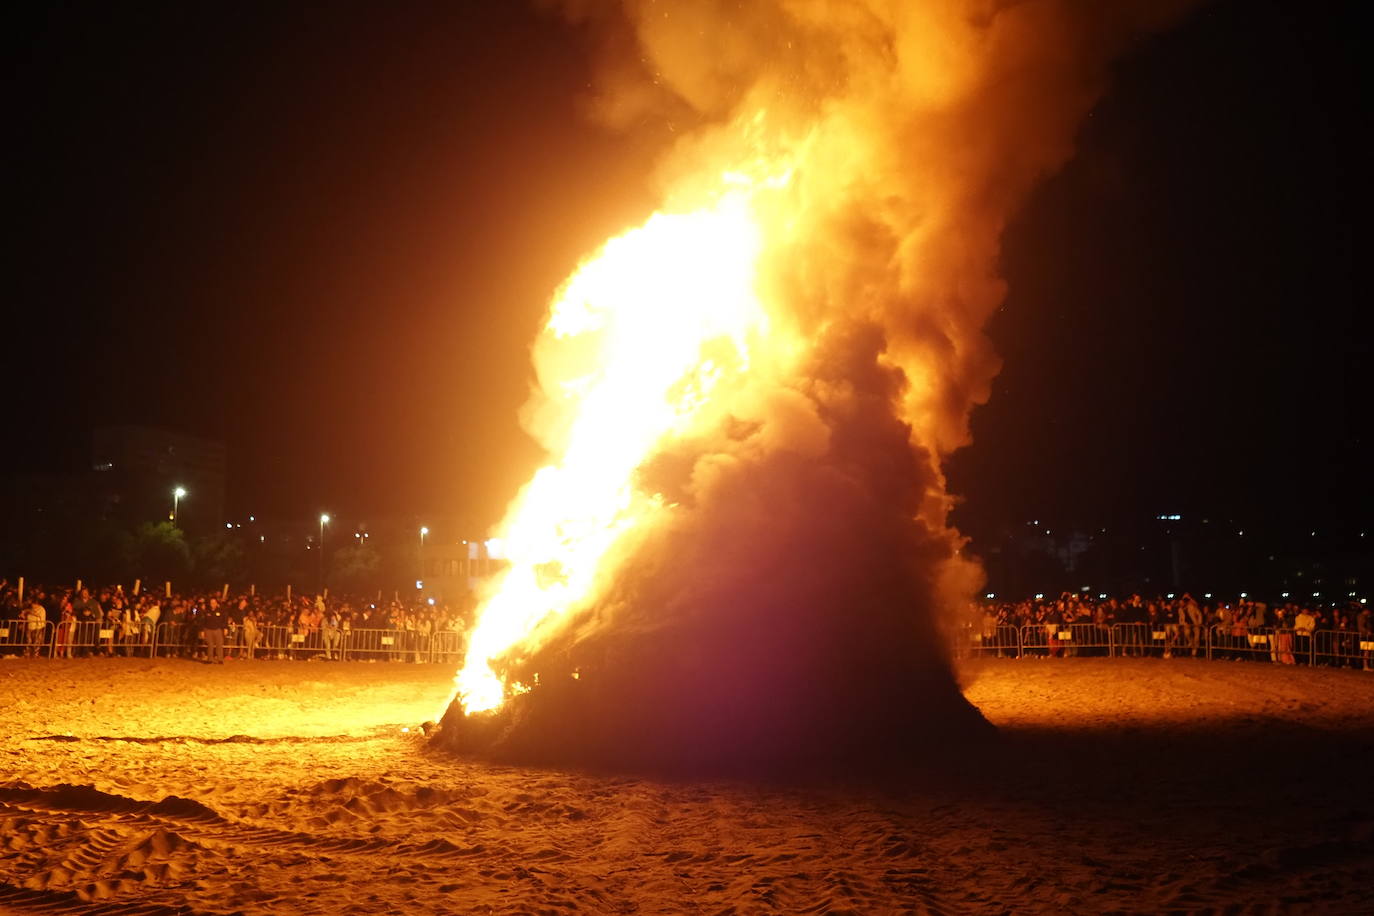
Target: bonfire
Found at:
x=739, y=544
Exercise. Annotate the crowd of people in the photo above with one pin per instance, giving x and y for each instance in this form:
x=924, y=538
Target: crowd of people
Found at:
x=68, y=622
x=1178, y=625
x=72, y=622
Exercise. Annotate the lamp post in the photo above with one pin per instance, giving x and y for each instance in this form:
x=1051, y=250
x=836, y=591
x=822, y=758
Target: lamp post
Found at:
x=177, y=494
x=324, y=520
x=423, y=531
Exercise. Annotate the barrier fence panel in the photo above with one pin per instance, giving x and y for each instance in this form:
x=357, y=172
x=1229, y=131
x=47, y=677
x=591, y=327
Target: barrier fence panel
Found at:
x=1229, y=641
x=1004, y=641
x=303, y=642
x=246, y=641
x=1038, y=640
x=1086, y=639
x=1194, y=640
x=136, y=639
x=176, y=639
x=1140, y=639
x=1288, y=647
x=74, y=638
x=273, y=642
x=375, y=644
x=1342, y=648
x=19, y=637
x=446, y=646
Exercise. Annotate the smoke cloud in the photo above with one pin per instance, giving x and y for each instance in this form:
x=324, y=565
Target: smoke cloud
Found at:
x=792, y=603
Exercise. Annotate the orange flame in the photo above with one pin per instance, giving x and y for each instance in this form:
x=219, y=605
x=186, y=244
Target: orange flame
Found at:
x=635, y=344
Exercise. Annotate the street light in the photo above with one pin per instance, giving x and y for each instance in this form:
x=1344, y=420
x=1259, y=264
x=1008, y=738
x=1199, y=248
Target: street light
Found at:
x=177, y=494
x=423, y=531
x=324, y=520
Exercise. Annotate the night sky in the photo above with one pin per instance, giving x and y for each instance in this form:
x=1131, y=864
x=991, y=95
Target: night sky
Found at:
x=327, y=238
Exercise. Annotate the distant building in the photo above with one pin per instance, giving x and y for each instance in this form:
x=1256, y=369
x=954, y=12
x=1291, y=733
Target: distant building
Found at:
x=455, y=568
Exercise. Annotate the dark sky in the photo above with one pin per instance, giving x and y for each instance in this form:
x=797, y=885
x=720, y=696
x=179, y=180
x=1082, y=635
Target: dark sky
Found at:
x=327, y=237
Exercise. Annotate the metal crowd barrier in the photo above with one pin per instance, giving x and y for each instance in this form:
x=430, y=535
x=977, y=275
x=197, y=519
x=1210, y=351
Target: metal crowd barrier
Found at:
x=274, y=641
x=138, y=641
x=1036, y=640
x=1233, y=641
x=78, y=637
x=17, y=639
x=1193, y=639
x=374, y=644
x=176, y=639
x=447, y=645
x=1343, y=648
x=1141, y=639
x=1004, y=641
x=1289, y=647
x=1087, y=639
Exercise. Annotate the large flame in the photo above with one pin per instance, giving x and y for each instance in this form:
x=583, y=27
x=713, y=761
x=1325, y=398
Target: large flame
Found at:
x=635, y=347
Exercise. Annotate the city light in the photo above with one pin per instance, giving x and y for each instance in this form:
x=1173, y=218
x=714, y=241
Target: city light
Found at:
x=177, y=496
x=319, y=561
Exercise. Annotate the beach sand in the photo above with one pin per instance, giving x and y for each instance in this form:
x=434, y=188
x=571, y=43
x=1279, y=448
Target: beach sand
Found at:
x=135, y=786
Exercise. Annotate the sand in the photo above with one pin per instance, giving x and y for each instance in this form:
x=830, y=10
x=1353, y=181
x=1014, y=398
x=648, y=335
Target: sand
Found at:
x=1126, y=785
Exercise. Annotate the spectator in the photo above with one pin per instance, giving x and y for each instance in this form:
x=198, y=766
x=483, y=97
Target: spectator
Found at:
x=212, y=624
x=1303, y=625
x=35, y=626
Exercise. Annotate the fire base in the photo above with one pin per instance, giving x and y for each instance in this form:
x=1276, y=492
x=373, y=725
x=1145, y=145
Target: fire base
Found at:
x=685, y=728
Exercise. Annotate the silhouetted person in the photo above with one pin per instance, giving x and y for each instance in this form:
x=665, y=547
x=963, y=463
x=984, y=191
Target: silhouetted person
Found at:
x=212, y=625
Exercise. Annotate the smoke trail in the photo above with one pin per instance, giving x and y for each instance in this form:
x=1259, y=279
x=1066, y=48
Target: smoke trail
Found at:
x=790, y=601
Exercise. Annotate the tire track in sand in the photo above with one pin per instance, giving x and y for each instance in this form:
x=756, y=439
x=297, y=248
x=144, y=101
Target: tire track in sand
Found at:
x=200, y=823
x=70, y=902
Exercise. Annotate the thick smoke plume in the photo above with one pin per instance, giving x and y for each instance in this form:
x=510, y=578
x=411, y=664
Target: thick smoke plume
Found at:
x=791, y=603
